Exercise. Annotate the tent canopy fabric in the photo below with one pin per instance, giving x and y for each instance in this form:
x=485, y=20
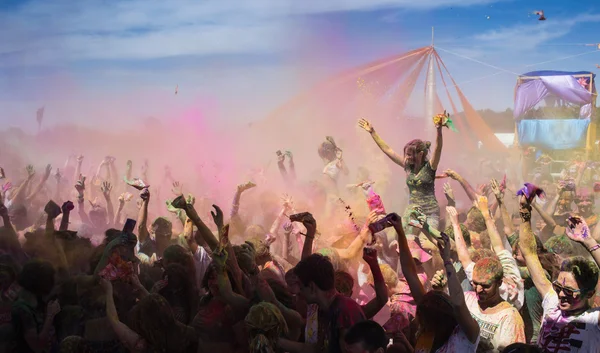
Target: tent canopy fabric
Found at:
x=561, y=84
x=553, y=134
x=557, y=73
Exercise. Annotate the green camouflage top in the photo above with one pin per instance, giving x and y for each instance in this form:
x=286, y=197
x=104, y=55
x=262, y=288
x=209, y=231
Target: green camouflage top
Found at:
x=421, y=187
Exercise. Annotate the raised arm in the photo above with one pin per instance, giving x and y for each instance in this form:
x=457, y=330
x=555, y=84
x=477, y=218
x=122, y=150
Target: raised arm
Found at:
x=67, y=207
x=437, y=152
x=237, y=301
x=499, y=194
x=310, y=224
x=461, y=312
x=471, y=193
x=123, y=198
x=495, y=238
x=53, y=210
x=407, y=263
x=80, y=187
x=461, y=246
x=78, y=167
x=578, y=231
x=234, y=218
x=548, y=230
x=292, y=317
x=395, y=157
x=528, y=248
x=142, y=221
x=127, y=336
x=203, y=230
x=19, y=194
x=381, y=292
x=106, y=190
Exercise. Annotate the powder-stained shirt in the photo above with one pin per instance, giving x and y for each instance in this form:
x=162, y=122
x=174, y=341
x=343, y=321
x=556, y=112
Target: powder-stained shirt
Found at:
x=574, y=334
x=512, y=289
x=501, y=328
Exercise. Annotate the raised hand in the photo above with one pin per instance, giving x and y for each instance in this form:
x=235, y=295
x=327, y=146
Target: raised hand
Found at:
x=280, y=157
x=310, y=224
x=482, y=204
x=577, y=229
x=145, y=194
x=483, y=189
x=30, y=172
x=287, y=202
x=497, y=190
x=243, y=187
x=366, y=125
x=451, y=174
x=219, y=256
x=2, y=174
x=289, y=155
x=439, y=280
x=417, y=219
x=177, y=188
x=52, y=309
x=224, y=238
x=395, y=220
x=288, y=227
x=80, y=185
x=452, y=215
x=57, y=175
x=80, y=159
x=217, y=216
x=444, y=246
x=52, y=209
x=106, y=188
x=125, y=197
x=448, y=191
x=67, y=206
x=370, y=256
x=190, y=199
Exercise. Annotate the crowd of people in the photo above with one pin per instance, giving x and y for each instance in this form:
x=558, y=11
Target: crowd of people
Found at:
x=323, y=268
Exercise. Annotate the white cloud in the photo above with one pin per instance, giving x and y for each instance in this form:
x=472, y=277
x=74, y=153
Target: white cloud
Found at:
x=42, y=32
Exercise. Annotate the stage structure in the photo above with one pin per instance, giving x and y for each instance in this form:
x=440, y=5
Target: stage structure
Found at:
x=567, y=121
x=380, y=91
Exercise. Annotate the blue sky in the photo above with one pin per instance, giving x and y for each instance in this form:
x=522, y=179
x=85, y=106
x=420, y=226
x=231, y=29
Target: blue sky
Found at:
x=119, y=61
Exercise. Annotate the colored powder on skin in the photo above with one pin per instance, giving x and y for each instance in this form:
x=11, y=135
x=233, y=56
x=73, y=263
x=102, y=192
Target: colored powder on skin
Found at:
x=560, y=245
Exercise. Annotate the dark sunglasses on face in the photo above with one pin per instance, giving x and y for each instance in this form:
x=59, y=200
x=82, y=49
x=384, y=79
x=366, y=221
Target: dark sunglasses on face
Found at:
x=568, y=292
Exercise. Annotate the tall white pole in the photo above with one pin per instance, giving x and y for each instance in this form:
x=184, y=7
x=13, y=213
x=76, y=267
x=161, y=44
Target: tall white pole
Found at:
x=430, y=91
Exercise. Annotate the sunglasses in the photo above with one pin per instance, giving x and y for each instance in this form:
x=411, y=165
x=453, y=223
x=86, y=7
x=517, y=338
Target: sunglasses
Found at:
x=569, y=292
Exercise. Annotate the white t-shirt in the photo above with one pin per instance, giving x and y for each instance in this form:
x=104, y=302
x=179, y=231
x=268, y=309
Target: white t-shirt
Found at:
x=512, y=289
x=575, y=334
x=502, y=328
